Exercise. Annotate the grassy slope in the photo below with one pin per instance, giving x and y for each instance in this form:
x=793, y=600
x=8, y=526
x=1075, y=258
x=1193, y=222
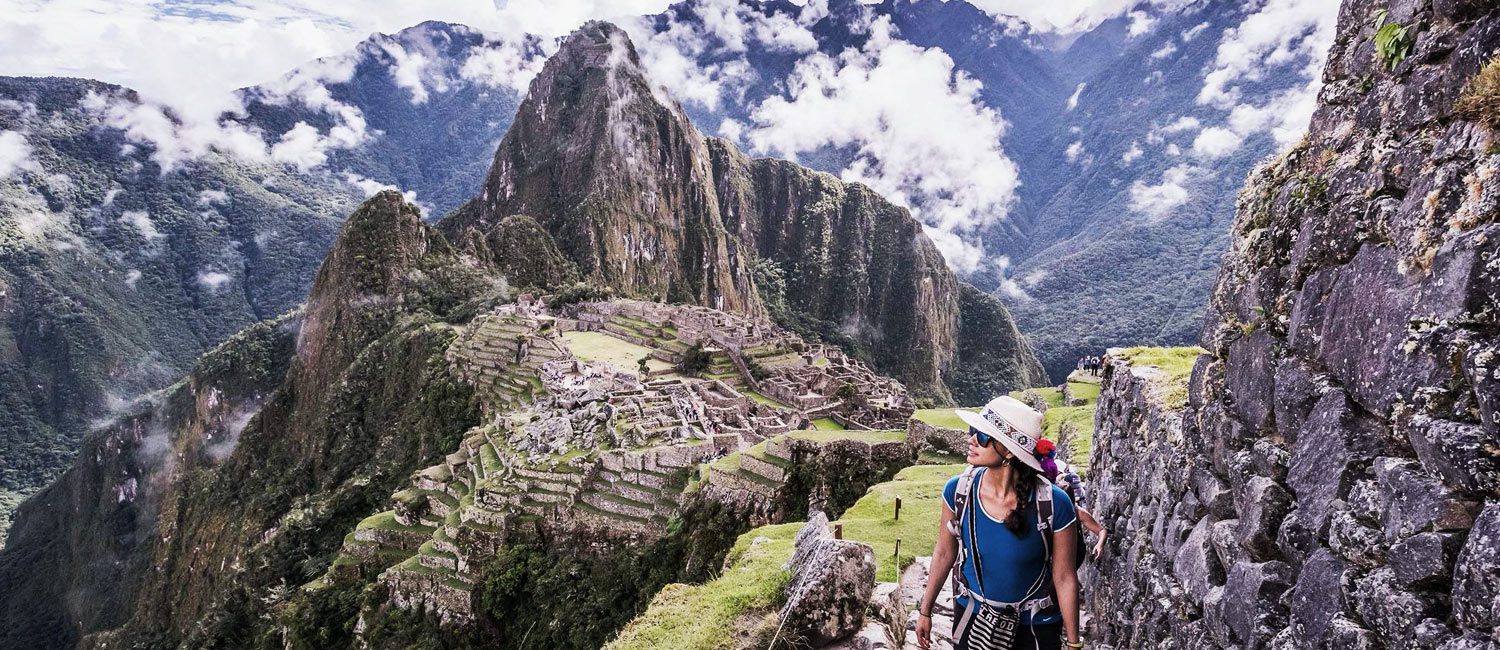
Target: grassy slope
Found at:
x=1177, y=363
x=714, y=615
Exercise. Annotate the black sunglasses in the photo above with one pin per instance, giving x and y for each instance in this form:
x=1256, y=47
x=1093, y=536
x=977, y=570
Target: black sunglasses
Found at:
x=984, y=439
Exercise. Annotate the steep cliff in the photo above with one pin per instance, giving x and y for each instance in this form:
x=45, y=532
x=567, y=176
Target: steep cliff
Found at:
x=182, y=515
x=117, y=274
x=641, y=202
x=619, y=176
x=1332, y=481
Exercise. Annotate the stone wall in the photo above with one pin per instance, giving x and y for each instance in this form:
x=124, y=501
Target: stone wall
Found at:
x=1333, y=479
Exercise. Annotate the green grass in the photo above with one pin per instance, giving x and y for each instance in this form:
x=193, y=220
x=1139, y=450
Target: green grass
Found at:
x=387, y=521
x=871, y=519
x=1051, y=395
x=827, y=424
x=871, y=437
x=703, y=617
x=623, y=355
x=1088, y=391
x=1177, y=363
x=1082, y=419
x=945, y=418
x=712, y=616
x=764, y=400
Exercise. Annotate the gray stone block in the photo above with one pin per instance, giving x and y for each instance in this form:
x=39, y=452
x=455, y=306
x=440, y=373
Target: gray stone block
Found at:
x=1424, y=560
x=1262, y=508
x=1316, y=598
x=1251, y=606
x=1476, y=576
x=1390, y=611
x=1466, y=456
x=1416, y=501
x=1196, y=564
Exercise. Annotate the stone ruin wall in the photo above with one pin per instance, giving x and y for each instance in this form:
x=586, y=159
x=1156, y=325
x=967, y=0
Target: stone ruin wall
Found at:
x=1334, y=479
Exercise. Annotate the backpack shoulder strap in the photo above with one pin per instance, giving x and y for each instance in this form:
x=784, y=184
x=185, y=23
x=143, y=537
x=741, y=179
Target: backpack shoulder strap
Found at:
x=962, y=500
x=1045, y=507
x=961, y=495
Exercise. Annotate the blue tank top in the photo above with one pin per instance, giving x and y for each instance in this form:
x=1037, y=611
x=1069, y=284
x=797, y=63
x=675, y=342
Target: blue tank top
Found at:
x=1012, y=565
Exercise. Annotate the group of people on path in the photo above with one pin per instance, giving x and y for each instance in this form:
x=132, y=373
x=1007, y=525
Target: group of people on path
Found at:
x=1091, y=365
x=1008, y=538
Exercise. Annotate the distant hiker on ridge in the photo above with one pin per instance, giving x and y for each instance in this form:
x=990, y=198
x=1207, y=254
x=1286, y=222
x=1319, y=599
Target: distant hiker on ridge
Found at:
x=1015, y=580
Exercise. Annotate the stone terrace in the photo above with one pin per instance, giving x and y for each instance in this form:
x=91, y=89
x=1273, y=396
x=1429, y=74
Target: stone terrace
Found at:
x=594, y=453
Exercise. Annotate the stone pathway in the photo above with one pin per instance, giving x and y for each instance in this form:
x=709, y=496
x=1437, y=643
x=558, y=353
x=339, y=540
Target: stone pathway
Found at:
x=913, y=583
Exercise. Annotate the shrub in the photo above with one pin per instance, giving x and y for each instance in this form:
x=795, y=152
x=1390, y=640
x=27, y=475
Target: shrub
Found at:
x=1480, y=100
x=579, y=292
x=1393, y=41
x=694, y=361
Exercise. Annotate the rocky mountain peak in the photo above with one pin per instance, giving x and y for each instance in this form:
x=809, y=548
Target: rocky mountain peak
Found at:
x=619, y=177
x=378, y=265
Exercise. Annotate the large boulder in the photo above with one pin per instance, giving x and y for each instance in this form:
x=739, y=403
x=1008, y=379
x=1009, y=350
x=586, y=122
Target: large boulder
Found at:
x=832, y=581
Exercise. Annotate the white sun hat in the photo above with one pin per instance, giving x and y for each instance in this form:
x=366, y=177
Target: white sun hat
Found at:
x=1013, y=423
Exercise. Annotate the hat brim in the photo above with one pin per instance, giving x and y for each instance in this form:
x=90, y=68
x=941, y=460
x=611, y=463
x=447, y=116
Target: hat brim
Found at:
x=977, y=421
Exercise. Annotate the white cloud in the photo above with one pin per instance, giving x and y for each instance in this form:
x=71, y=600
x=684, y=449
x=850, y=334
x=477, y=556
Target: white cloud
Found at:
x=1072, y=16
x=1166, y=50
x=15, y=154
x=1073, y=99
x=1074, y=151
x=175, y=138
x=210, y=197
x=1174, y=150
x=1282, y=32
x=132, y=276
x=1216, y=142
x=1140, y=23
x=1159, y=200
x=191, y=57
x=143, y=224
x=732, y=129
x=1285, y=115
x=725, y=32
x=919, y=132
x=1193, y=33
x=503, y=65
x=213, y=281
x=371, y=187
x=1184, y=123
x=1133, y=154
x=409, y=70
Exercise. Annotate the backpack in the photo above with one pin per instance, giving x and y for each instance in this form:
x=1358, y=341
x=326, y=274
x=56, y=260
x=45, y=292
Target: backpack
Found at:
x=962, y=507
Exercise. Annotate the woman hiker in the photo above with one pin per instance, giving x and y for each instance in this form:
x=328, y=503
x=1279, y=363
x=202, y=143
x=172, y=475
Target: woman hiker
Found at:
x=1008, y=537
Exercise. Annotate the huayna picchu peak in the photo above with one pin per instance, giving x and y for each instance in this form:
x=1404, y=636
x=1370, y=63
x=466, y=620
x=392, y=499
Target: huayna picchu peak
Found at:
x=641, y=202
x=624, y=300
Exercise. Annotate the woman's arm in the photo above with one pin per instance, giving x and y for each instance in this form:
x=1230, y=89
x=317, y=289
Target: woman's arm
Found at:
x=943, y=554
x=1065, y=578
x=1094, y=527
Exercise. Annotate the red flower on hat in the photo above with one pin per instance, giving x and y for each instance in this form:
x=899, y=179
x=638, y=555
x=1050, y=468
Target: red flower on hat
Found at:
x=1044, y=447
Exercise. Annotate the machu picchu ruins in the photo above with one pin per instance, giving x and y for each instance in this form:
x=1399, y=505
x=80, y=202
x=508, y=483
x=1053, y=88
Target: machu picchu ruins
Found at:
x=577, y=438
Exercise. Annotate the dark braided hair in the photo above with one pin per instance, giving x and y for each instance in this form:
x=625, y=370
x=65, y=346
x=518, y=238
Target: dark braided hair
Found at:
x=1023, y=483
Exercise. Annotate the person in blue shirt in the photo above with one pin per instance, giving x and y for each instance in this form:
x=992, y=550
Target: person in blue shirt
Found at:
x=1009, y=537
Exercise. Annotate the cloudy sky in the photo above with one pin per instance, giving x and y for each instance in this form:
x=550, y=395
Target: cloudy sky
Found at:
x=920, y=132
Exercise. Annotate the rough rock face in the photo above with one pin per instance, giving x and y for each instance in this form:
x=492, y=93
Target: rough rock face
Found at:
x=619, y=176
x=641, y=202
x=1333, y=481
x=854, y=264
x=832, y=580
